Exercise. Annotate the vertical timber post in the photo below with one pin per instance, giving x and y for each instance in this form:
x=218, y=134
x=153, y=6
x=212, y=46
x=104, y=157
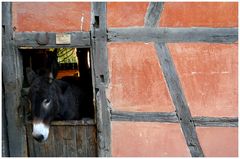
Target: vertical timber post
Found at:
x=5, y=147
x=12, y=83
x=101, y=75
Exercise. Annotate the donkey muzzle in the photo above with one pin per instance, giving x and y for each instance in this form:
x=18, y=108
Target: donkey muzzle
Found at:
x=40, y=131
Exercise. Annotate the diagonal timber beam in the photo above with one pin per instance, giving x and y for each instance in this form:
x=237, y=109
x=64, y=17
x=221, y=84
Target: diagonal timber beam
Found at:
x=153, y=14
x=179, y=100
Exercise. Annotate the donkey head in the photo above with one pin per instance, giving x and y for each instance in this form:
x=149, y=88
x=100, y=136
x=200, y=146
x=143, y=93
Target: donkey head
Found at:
x=44, y=96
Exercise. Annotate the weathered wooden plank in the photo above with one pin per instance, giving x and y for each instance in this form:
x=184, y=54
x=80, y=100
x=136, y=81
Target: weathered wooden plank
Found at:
x=75, y=122
x=80, y=137
x=31, y=150
x=101, y=63
x=5, y=146
x=59, y=140
x=33, y=40
x=64, y=141
x=216, y=121
x=144, y=116
x=100, y=69
x=179, y=100
x=99, y=42
x=86, y=141
x=44, y=149
x=152, y=16
x=91, y=141
x=12, y=83
x=85, y=121
x=103, y=124
x=171, y=117
x=39, y=149
x=49, y=145
x=173, y=35
x=70, y=141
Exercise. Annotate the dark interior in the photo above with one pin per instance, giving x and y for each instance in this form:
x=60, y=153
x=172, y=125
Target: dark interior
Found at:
x=78, y=73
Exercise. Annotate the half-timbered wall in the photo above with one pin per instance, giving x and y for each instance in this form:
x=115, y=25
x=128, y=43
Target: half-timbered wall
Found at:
x=164, y=74
x=173, y=78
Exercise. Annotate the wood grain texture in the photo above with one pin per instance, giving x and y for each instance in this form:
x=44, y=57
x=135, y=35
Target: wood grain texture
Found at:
x=179, y=100
x=216, y=121
x=103, y=124
x=101, y=76
x=170, y=117
x=5, y=146
x=172, y=35
x=82, y=122
x=41, y=40
x=99, y=42
x=12, y=83
x=65, y=141
x=153, y=14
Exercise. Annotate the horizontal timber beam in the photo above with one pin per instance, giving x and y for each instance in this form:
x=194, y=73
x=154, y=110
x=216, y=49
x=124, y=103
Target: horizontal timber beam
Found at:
x=42, y=40
x=83, y=122
x=216, y=121
x=173, y=35
x=171, y=117
x=145, y=116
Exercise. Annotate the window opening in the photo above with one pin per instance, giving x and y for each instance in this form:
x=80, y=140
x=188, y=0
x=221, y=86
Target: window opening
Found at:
x=72, y=65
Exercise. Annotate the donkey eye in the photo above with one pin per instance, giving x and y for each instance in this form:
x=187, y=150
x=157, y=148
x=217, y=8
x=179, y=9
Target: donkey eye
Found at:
x=46, y=103
x=46, y=100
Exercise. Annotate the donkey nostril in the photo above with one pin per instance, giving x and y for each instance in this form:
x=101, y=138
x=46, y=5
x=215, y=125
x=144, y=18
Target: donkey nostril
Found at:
x=39, y=138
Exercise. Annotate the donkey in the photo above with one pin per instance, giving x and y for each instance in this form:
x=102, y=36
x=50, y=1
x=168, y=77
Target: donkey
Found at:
x=52, y=99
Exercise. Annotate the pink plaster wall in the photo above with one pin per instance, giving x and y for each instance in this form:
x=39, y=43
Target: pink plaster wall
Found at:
x=136, y=79
x=218, y=141
x=143, y=139
x=126, y=14
x=199, y=14
x=51, y=16
x=208, y=74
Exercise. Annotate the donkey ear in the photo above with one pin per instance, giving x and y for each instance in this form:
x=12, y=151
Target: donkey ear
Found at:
x=50, y=77
x=31, y=75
